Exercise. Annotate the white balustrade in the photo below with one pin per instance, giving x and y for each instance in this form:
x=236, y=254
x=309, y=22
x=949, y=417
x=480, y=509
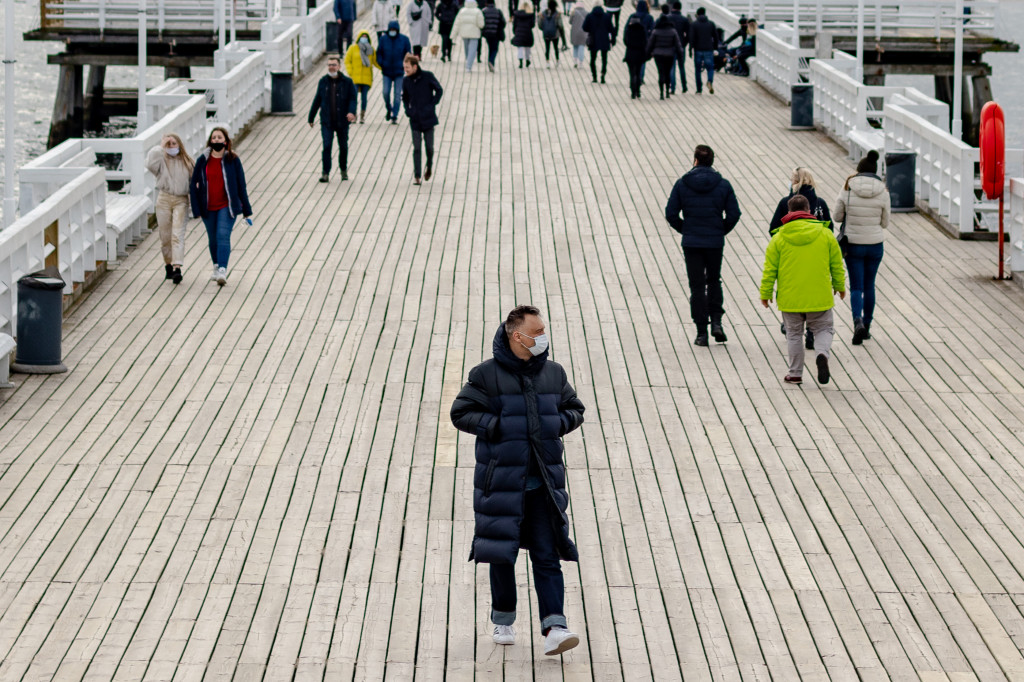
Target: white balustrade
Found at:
x=778, y=65
x=1014, y=216
x=161, y=15
x=235, y=99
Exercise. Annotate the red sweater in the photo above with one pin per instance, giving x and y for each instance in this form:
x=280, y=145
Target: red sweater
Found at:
x=217, y=196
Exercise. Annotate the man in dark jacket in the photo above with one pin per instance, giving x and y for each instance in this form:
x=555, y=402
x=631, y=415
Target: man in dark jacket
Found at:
x=600, y=38
x=493, y=31
x=703, y=41
x=421, y=94
x=682, y=25
x=519, y=405
x=391, y=50
x=345, y=13
x=710, y=211
x=336, y=101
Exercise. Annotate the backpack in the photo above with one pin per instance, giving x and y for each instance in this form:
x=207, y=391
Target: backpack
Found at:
x=549, y=26
x=635, y=35
x=819, y=212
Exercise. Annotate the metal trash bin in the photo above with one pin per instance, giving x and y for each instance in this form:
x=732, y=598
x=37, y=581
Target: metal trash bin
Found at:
x=281, y=93
x=332, y=31
x=801, y=106
x=40, y=314
x=901, y=180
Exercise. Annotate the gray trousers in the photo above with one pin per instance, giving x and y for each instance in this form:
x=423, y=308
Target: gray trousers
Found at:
x=819, y=324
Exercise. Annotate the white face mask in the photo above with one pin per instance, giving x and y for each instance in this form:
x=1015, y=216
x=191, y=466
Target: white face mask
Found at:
x=364, y=41
x=172, y=151
x=539, y=346
x=332, y=74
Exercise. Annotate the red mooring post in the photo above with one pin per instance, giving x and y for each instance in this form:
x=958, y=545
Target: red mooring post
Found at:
x=993, y=164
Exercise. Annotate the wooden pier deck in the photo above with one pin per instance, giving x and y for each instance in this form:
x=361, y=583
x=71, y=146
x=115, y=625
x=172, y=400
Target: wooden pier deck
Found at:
x=261, y=481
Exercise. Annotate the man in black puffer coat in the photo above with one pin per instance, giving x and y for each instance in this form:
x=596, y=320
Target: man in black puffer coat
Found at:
x=519, y=405
x=710, y=211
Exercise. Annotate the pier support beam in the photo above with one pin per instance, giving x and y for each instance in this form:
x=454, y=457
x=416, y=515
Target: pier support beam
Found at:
x=95, y=119
x=68, y=107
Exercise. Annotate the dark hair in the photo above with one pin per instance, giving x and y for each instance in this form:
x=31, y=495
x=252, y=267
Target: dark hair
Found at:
x=228, y=153
x=515, y=318
x=335, y=57
x=665, y=9
x=553, y=6
x=798, y=202
x=701, y=11
x=677, y=5
x=869, y=164
x=704, y=155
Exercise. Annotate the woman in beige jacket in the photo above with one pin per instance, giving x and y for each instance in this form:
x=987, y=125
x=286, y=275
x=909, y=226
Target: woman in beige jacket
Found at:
x=172, y=166
x=864, y=205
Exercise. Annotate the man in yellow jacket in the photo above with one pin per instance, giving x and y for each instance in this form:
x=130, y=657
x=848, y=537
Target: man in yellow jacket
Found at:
x=805, y=259
x=359, y=62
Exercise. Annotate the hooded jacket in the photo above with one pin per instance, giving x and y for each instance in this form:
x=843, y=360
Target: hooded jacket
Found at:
x=600, y=30
x=421, y=93
x=344, y=102
x=577, y=36
x=360, y=75
x=494, y=23
x=522, y=28
x=806, y=261
x=864, y=203
x=664, y=41
x=703, y=34
x=517, y=410
x=419, y=29
x=234, y=185
x=469, y=22
x=446, y=10
x=703, y=196
x=682, y=26
x=391, y=52
x=817, y=205
x=643, y=14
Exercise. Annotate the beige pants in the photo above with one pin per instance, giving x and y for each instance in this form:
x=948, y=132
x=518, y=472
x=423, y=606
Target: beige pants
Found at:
x=171, y=213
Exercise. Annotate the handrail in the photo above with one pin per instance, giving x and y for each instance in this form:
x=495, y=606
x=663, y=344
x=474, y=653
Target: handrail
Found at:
x=161, y=15
x=1015, y=225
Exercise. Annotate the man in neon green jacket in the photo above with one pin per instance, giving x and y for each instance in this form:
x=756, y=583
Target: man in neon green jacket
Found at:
x=804, y=257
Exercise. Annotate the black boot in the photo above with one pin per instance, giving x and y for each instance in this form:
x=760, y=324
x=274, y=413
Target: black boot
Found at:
x=718, y=332
x=168, y=271
x=661, y=91
x=520, y=63
x=860, y=332
x=702, y=337
x=176, y=277
x=867, y=331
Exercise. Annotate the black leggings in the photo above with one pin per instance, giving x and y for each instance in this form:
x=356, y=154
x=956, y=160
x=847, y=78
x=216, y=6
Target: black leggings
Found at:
x=593, y=63
x=446, y=46
x=664, y=69
x=635, y=81
x=548, y=44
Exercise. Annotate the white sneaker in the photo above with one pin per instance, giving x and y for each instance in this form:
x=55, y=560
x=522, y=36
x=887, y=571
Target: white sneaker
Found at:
x=213, y=275
x=504, y=634
x=559, y=640
x=222, y=276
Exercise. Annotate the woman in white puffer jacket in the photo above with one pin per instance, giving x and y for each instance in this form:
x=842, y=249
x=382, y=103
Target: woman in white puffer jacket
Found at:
x=864, y=205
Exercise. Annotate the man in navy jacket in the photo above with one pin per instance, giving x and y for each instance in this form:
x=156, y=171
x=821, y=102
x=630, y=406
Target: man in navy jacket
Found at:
x=345, y=13
x=336, y=101
x=519, y=405
x=709, y=212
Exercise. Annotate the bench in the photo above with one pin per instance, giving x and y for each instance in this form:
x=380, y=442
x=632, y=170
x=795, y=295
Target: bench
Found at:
x=127, y=222
x=7, y=345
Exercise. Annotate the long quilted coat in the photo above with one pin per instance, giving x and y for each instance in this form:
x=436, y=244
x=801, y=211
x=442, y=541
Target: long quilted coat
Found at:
x=517, y=410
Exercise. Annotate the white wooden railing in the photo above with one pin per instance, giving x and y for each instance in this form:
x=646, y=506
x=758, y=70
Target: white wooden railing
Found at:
x=161, y=15
x=64, y=201
x=881, y=17
x=1015, y=226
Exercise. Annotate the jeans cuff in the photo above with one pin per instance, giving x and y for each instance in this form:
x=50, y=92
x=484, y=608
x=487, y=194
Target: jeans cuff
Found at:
x=551, y=621
x=503, y=617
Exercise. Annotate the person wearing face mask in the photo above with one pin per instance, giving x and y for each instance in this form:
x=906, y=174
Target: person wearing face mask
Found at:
x=391, y=50
x=360, y=61
x=419, y=17
x=172, y=166
x=218, y=195
x=383, y=14
x=519, y=405
x=336, y=101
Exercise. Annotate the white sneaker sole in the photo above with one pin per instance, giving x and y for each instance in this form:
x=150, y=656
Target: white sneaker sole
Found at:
x=505, y=641
x=568, y=643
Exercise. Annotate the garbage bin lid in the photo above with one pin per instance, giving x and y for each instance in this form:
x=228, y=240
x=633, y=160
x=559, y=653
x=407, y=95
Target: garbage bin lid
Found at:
x=48, y=279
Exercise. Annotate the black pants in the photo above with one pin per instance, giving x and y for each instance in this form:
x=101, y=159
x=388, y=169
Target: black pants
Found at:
x=593, y=63
x=423, y=138
x=345, y=34
x=537, y=532
x=615, y=18
x=549, y=44
x=417, y=50
x=704, y=272
x=664, y=65
x=492, y=48
x=328, y=133
x=635, y=77
x=446, y=45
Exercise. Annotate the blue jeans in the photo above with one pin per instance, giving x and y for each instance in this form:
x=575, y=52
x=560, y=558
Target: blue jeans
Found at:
x=492, y=48
x=681, y=62
x=862, y=261
x=471, y=46
x=579, y=52
x=537, y=533
x=363, y=90
x=328, y=133
x=391, y=105
x=218, y=231
x=703, y=59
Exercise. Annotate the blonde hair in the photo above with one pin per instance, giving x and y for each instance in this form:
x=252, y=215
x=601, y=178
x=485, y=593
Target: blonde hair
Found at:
x=183, y=153
x=525, y=6
x=801, y=176
x=751, y=28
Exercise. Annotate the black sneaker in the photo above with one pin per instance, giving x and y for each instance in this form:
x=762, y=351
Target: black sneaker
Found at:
x=394, y=121
x=823, y=373
x=344, y=175
x=176, y=278
x=168, y=271
x=427, y=173
x=701, y=340
x=324, y=178
x=718, y=332
x=387, y=117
